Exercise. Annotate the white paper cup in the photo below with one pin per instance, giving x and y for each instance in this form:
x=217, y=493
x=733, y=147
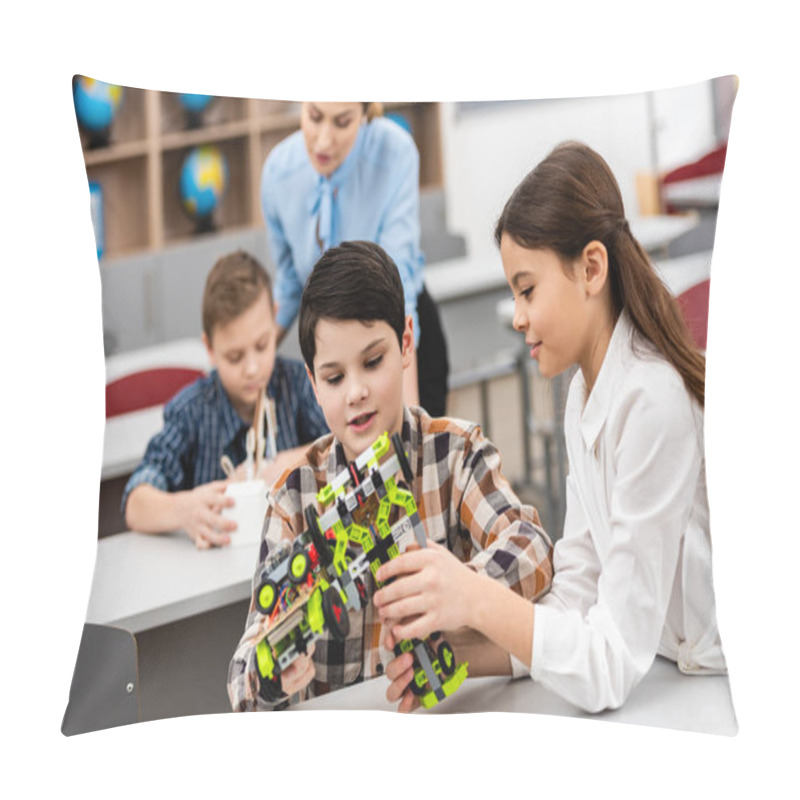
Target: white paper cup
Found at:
x=248, y=510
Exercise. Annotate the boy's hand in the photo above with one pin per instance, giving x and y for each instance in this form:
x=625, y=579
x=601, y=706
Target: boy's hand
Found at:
x=299, y=673
x=432, y=591
x=202, y=518
x=400, y=672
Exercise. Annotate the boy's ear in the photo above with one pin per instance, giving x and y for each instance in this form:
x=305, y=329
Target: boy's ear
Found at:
x=408, y=341
x=207, y=345
x=313, y=382
x=594, y=264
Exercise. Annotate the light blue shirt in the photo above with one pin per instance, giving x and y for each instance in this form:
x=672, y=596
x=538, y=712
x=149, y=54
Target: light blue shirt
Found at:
x=372, y=196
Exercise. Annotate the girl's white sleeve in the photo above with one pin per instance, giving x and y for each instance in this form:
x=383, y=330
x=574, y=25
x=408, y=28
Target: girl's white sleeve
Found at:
x=594, y=656
x=576, y=566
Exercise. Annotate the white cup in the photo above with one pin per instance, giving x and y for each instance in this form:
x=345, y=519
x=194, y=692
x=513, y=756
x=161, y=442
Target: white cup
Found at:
x=248, y=510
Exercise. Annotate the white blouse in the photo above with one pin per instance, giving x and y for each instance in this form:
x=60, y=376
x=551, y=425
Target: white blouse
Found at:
x=633, y=569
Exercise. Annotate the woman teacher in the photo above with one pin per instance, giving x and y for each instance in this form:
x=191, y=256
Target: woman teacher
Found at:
x=350, y=174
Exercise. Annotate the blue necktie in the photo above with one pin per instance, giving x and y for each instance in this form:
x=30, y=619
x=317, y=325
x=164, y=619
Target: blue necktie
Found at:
x=324, y=207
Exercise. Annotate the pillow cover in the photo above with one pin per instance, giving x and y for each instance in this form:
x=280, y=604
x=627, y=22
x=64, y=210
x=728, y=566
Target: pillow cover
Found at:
x=165, y=618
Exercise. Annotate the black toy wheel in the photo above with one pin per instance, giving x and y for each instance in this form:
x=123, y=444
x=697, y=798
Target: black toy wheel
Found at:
x=298, y=566
x=270, y=689
x=318, y=540
x=335, y=615
x=416, y=689
x=266, y=597
x=397, y=443
x=447, y=659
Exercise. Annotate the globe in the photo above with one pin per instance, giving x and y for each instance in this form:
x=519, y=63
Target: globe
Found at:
x=400, y=119
x=203, y=179
x=194, y=106
x=96, y=104
x=195, y=103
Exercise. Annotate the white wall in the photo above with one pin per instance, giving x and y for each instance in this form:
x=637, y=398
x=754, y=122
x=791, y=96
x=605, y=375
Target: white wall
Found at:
x=488, y=149
x=684, y=121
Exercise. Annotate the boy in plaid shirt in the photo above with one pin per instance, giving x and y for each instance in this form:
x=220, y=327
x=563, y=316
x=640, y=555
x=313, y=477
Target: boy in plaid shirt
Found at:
x=356, y=342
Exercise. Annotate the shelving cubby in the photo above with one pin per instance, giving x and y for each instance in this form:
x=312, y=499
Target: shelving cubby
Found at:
x=151, y=134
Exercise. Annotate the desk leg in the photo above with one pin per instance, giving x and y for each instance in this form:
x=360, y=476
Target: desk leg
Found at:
x=525, y=394
x=104, y=685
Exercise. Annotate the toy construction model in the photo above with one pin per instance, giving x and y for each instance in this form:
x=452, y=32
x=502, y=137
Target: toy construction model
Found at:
x=308, y=585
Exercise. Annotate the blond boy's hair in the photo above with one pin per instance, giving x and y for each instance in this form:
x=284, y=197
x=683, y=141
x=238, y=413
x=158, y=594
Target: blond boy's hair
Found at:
x=235, y=282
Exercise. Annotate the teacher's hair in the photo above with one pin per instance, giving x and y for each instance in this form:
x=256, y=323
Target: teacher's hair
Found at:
x=372, y=110
x=572, y=198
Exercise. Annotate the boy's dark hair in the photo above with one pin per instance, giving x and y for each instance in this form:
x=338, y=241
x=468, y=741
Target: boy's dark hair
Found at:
x=354, y=281
x=235, y=282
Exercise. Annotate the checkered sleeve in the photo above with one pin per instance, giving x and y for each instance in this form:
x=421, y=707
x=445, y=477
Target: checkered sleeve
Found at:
x=502, y=536
x=243, y=681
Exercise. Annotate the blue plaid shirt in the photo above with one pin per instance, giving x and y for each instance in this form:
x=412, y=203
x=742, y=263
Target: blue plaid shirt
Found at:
x=201, y=425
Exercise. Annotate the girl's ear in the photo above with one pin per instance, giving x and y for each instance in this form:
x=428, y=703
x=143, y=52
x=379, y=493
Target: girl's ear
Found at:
x=408, y=341
x=594, y=260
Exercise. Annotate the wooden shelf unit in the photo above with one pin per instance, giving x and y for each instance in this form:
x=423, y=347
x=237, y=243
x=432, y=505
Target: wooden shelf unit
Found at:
x=138, y=170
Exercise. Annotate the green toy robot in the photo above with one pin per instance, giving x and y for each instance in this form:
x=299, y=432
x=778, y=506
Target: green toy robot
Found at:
x=359, y=502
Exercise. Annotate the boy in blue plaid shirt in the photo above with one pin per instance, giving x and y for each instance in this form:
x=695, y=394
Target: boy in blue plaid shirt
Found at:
x=180, y=484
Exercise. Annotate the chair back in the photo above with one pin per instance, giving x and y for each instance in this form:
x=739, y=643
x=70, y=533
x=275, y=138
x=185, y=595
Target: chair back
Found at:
x=147, y=388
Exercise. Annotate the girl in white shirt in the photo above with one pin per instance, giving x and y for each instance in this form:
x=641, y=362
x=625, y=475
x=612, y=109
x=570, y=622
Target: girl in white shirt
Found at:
x=633, y=568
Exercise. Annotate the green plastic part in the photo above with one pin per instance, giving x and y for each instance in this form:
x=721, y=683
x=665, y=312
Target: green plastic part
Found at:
x=266, y=664
x=316, y=619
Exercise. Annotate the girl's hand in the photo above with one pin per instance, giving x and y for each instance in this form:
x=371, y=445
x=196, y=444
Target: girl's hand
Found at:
x=432, y=591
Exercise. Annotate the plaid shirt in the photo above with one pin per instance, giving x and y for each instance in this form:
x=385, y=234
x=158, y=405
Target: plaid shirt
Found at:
x=464, y=502
x=201, y=425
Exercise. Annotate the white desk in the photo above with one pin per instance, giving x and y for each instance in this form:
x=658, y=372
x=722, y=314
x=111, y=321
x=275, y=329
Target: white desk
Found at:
x=125, y=440
x=700, y=192
x=681, y=273
x=657, y=232
x=665, y=698
x=142, y=581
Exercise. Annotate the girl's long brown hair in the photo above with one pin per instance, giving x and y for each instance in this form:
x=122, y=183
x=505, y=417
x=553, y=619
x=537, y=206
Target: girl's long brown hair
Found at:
x=572, y=198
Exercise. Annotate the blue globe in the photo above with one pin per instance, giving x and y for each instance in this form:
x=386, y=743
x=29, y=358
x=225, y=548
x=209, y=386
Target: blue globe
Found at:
x=96, y=103
x=400, y=119
x=195, y=102
x=204, y=177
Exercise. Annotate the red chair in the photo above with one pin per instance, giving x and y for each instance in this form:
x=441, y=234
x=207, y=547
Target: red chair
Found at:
x=694, y=305
x=147, y=388
x=710, y=166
